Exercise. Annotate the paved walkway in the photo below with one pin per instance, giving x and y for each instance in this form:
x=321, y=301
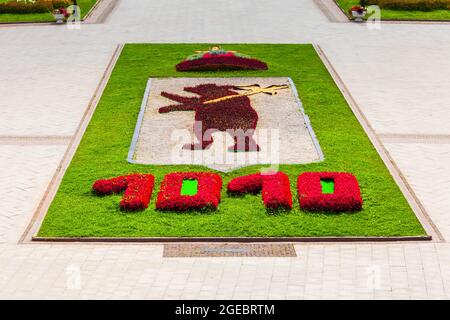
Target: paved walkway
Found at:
x=398, y=75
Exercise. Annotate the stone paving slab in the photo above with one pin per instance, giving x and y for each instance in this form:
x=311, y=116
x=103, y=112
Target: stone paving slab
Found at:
x=25, y=172
x=356, y=271
x=410, y=95
x=48, y=85
x=229, y=250
x=427, y=168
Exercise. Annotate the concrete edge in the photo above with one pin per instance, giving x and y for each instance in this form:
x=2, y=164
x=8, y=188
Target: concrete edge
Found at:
x=41, y=210
x=163, y=240
x=100, y=11
x=307, y=122
x=332, y=11
x=140, y=119
x=417, y=207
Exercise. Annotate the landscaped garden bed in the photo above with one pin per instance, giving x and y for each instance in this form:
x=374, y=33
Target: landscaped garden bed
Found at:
x=195, y=201
x=438, y=10
x=12, y=11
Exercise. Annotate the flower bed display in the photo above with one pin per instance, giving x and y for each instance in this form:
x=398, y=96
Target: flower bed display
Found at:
x=37, y=6
x=346, y=195
x=77, y=213
x=207, y=197
x=219, y=59
x=275, y=188
x=419, y=5
x=138, y=190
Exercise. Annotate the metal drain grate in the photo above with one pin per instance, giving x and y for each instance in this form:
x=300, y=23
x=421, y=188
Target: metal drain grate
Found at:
x=229, y=250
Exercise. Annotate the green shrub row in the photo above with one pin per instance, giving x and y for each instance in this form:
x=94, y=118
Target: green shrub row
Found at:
x=419, y=5
x=38, y=6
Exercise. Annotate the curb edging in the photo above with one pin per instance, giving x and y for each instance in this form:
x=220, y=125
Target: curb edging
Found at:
x=227, y=239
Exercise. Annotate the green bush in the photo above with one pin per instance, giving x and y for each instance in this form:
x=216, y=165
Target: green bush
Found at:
x=419, y=5
x=39, y=6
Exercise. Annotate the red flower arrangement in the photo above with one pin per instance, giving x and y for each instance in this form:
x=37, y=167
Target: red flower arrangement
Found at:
x=346, y=195
x=138, y=190
x=358, y=9
x=219, y=59
x=62, y=11
x=207, y=196
x=275, y=188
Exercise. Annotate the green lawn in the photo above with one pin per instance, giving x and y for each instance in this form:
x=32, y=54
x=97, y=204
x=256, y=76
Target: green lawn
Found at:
x=85, y=6
x=400, y=14
x=76, y=212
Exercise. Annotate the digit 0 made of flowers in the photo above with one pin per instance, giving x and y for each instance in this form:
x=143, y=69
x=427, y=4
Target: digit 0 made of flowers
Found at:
x=203, y=192
x=343, y=192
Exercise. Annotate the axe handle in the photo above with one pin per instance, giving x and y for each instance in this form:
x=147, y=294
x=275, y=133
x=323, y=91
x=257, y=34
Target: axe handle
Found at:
x=230, y=97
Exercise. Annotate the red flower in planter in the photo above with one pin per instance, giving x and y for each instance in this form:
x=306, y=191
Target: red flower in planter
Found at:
x=275, y=188
x=346, y=195
x=138, y=190
x=219, y=59
x=170, y=197
x=358, y=9
x=221, y=63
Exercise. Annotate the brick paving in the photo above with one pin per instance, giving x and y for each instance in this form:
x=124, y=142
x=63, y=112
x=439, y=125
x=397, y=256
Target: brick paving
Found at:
x=398, y=75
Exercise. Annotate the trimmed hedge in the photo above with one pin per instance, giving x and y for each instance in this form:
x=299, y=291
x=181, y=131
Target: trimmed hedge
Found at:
x=39, y=6
x=419, y=5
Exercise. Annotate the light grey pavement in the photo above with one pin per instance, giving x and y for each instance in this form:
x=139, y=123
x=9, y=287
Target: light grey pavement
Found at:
x=398, y=75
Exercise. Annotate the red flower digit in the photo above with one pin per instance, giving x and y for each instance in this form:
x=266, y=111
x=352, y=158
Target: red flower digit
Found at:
x=275, y=188
x=138, y=190
x=207, y=196
x=346, y=195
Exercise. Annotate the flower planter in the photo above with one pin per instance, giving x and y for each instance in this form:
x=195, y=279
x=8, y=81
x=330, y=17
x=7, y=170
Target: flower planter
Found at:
x=358, y=16
x=59, y=17
x=219, y=59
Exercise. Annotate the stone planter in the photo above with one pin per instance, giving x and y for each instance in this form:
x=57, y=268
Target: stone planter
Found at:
x=358, y=16
x=59, y=17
